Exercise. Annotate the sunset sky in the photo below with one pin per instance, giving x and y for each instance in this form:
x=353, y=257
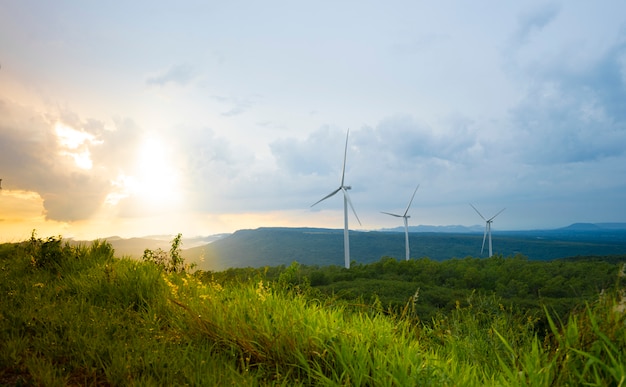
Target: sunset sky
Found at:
x=204, y=117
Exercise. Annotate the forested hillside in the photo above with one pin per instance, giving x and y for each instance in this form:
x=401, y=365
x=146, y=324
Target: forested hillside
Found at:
x=441, y=286
x=312, y=246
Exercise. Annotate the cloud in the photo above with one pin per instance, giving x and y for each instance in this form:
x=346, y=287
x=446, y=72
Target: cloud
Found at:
x=180, y=74
x=317, y=154
x=404, y=138
x=119, y=144
x=396, y=141
x=36, y=160
x=217, y=172
x=533, y=21
x=395, y=154
x=570, y=115
x=70, y=162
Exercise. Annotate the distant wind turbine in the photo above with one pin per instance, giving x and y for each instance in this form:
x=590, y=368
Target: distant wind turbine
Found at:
x=487, y=229
x=346, y=200
x=406, y=223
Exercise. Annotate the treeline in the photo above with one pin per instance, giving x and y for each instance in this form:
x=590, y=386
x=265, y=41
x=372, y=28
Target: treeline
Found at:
x=438, y=287
x=281, y=246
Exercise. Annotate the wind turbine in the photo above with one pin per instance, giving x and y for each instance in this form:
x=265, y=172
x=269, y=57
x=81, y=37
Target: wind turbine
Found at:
x=487, y=229
x=406, y=222
x=346, y=200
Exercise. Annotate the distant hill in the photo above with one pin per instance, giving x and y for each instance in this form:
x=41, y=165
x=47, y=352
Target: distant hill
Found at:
x=134, y=247
x=457, y=229
x=612, y=226
x=594, y=226
x=318, y=246
x=314, y=246
x=582, y=227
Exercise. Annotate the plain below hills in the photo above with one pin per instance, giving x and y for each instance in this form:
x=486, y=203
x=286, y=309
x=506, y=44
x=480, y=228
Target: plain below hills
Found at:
x=314, y=246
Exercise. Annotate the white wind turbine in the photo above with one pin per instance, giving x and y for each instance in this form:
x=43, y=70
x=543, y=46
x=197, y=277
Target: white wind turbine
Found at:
x=406, y=223
x=487, y=229
x=346, y=200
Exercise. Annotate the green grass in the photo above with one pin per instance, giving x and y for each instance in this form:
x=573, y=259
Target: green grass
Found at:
x=77, y=315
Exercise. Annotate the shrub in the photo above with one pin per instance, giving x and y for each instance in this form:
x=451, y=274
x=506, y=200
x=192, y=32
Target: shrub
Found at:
x=48, y=254
x=171, y=262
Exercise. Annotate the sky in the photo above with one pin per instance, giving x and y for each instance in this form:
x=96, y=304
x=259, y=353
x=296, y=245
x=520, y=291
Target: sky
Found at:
x=205, y=117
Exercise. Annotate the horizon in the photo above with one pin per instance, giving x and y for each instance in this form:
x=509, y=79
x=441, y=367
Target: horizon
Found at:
x=204, y=119
x=472, y=229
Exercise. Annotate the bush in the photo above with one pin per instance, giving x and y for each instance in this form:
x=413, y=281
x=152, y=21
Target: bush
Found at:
x=50, y=254
x=171, y=262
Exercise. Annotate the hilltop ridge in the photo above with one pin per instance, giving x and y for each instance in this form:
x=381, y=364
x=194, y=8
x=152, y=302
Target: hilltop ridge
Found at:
x=280, y=246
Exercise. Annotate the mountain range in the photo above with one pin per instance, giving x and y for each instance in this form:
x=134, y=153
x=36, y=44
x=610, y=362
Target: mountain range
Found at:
x=273, y=246
x=480, y=228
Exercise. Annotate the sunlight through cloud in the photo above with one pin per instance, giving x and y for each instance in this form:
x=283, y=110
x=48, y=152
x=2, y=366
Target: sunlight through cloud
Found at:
x=75, y=145
x=153, y=180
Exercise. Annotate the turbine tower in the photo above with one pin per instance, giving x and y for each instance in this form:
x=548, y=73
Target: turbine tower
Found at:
x=346, y=200
x=406, y=223
x=487, y=229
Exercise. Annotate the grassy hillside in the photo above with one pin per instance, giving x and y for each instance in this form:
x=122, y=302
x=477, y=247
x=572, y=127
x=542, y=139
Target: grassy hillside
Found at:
x=310, y=246
x=77, y=315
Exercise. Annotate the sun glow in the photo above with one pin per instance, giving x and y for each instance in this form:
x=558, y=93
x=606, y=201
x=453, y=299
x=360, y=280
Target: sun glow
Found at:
x=157, y=179
x=154, y=180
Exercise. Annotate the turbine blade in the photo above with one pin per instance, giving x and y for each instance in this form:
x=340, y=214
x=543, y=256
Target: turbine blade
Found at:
x=326, y=197
x=389, y=213
x=411, y=201
x=345, y=154
x=478, y=212
x=345, y=192
x=497, y=214
x=484, y=236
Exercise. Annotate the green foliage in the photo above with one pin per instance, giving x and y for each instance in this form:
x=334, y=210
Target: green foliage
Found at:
x=171, y=262
x=75, y=315
x=50, y=253
x=310, y=246
x=530, y=285
x=292, y=279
